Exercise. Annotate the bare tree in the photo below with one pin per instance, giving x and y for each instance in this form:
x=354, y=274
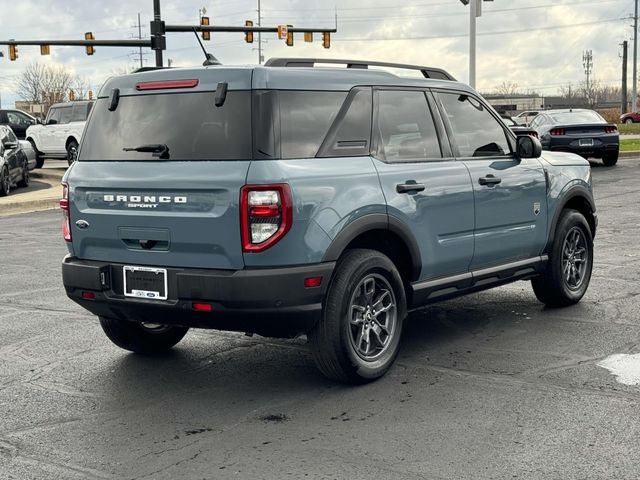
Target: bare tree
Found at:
x=46, y=84
x=507, y=88
x=80, y=86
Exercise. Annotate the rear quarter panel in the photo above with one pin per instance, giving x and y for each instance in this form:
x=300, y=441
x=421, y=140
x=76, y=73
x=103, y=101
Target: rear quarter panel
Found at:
x=328, y=194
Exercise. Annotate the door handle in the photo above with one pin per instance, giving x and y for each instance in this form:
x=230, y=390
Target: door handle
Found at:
x=410, y=186
x=489, y=180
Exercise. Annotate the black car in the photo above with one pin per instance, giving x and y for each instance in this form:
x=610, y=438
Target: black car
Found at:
x=579, y=131
x=18, y=121
x=14, y=166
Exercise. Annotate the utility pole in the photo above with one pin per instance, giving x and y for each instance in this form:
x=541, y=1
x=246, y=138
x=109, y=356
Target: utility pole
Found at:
x=158, y=41
x=634, y=107
x=140, y=38
x=260, y=57
x=624, y=104
x=472, y=43
x=587, y=63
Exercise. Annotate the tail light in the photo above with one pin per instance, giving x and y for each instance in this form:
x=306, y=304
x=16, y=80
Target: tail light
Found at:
x=66, y=221
x=556, y=132
x=265, y=215
x=610, y=129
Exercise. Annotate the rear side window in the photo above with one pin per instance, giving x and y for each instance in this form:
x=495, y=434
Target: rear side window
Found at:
x=190, y=125
x=54, y=114
x=305, y=118
x=65, y=115
x=406, y=130
x=477, y=133
x=80, y=111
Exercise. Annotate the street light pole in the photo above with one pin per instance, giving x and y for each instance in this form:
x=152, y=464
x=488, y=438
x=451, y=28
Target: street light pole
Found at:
x=634, y=102
x=472, y=42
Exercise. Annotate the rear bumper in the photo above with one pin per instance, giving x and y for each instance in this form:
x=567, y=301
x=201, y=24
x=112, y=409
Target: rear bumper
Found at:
x=271, y=302
x=597, y=150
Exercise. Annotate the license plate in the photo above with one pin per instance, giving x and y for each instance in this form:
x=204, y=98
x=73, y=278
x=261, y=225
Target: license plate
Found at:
x=145, y=282
x=586, y=142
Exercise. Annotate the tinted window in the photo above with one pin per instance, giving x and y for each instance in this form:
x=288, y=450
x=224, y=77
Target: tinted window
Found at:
x=54, y=114
x=189, y=124
x=17, y=118
x=405, y=127
x=11, y=136
x=79, y=112
x=305, y=118
x=476, y=131
x=351, y=133
x=576, y=118
x=65, y=115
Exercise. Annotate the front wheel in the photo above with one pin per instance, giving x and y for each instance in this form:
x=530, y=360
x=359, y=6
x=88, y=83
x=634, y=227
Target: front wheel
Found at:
x=24, y=181
x=72, y=152
x=39, y=156
x=5, y=182
x=145, y=338
x=628, y=121
x=570, y=263
x=358, y=337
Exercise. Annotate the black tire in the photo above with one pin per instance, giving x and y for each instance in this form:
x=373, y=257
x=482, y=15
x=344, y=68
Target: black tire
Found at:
x=39, y=156
x=5, y=182
x=72, y=152
x=553, y=288
x=610, y=159
x=332, y=339
x=628, y=121
x=138, y=338
x=24, y=182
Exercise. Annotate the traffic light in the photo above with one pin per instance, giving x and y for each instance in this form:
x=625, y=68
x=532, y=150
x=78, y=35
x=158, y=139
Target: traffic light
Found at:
x=326, y=40
x=308, y=37
x=89, y=48
x=45, y=50
x=205, y=22
x=248, y=36
x=289, y=39
x=90, y=94
x=72, y=95
x=282, y=32
x=13, y=52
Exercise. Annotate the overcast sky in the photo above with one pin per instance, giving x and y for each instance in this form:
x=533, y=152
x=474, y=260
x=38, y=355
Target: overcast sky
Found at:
x=537, y=44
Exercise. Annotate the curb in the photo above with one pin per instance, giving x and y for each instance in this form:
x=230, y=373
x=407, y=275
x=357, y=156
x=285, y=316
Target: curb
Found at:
x=629, y=154
x=29, y=206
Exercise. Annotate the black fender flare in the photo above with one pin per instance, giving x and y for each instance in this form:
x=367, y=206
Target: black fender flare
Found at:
x=576, y=191
x=376, y=221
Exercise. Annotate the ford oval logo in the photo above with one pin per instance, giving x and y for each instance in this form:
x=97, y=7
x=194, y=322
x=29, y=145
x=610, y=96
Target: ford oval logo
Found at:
x=82, y=224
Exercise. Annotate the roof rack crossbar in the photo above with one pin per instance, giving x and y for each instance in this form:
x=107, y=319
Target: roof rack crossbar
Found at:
x=428, y=72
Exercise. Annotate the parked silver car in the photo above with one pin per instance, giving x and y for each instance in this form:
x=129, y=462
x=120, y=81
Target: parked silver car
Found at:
x=14, y=166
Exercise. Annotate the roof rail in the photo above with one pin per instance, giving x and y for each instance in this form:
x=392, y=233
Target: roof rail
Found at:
x=428, y=72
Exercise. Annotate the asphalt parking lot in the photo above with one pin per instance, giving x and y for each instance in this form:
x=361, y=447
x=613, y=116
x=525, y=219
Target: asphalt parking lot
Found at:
x=489, y=386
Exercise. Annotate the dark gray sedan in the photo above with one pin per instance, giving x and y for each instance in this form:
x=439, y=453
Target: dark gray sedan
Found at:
x=14, y=165
x=579, y=131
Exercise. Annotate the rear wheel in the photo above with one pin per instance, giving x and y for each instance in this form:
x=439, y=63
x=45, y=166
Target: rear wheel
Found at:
x=628, y=121
x=39, y=156
x=24, y=182
x=570, y=263
x=72, y=152
x=5, y=182
x=145, y=338
x=610, y=159
x=358, y=337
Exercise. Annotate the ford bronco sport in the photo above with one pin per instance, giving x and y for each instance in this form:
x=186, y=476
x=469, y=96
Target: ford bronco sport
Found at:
x=288, y=199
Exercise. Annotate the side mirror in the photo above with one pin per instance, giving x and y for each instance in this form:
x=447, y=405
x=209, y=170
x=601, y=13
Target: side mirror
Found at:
x=528, y=147
x=53, y=121
x=10, y=145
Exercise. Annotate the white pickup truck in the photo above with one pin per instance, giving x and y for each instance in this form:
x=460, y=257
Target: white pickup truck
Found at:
x=61, y=132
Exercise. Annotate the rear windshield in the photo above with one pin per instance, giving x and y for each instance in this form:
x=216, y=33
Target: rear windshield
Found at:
x=577, y=118
x=190, y=125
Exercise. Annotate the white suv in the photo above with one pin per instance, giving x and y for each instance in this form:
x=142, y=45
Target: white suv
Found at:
x=61, y=132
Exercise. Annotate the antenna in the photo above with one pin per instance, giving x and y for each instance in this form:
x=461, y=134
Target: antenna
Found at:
x=209, y=58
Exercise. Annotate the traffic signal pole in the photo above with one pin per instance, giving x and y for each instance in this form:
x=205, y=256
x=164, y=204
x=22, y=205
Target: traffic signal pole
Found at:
x=157, y=40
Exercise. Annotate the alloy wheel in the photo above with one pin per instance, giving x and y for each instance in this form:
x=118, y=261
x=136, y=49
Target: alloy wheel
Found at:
x=575, y=256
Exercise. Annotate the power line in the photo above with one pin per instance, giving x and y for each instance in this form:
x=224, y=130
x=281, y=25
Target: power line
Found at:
x=483, y=34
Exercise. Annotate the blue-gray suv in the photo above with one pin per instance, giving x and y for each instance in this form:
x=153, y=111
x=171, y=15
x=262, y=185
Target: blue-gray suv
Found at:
x=292, y=199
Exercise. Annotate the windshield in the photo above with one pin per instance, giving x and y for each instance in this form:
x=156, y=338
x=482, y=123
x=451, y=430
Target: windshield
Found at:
x=576, y=118
x=190, y=125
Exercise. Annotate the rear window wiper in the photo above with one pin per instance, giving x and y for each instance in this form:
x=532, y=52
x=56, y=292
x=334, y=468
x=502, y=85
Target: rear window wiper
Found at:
x=160, y=150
